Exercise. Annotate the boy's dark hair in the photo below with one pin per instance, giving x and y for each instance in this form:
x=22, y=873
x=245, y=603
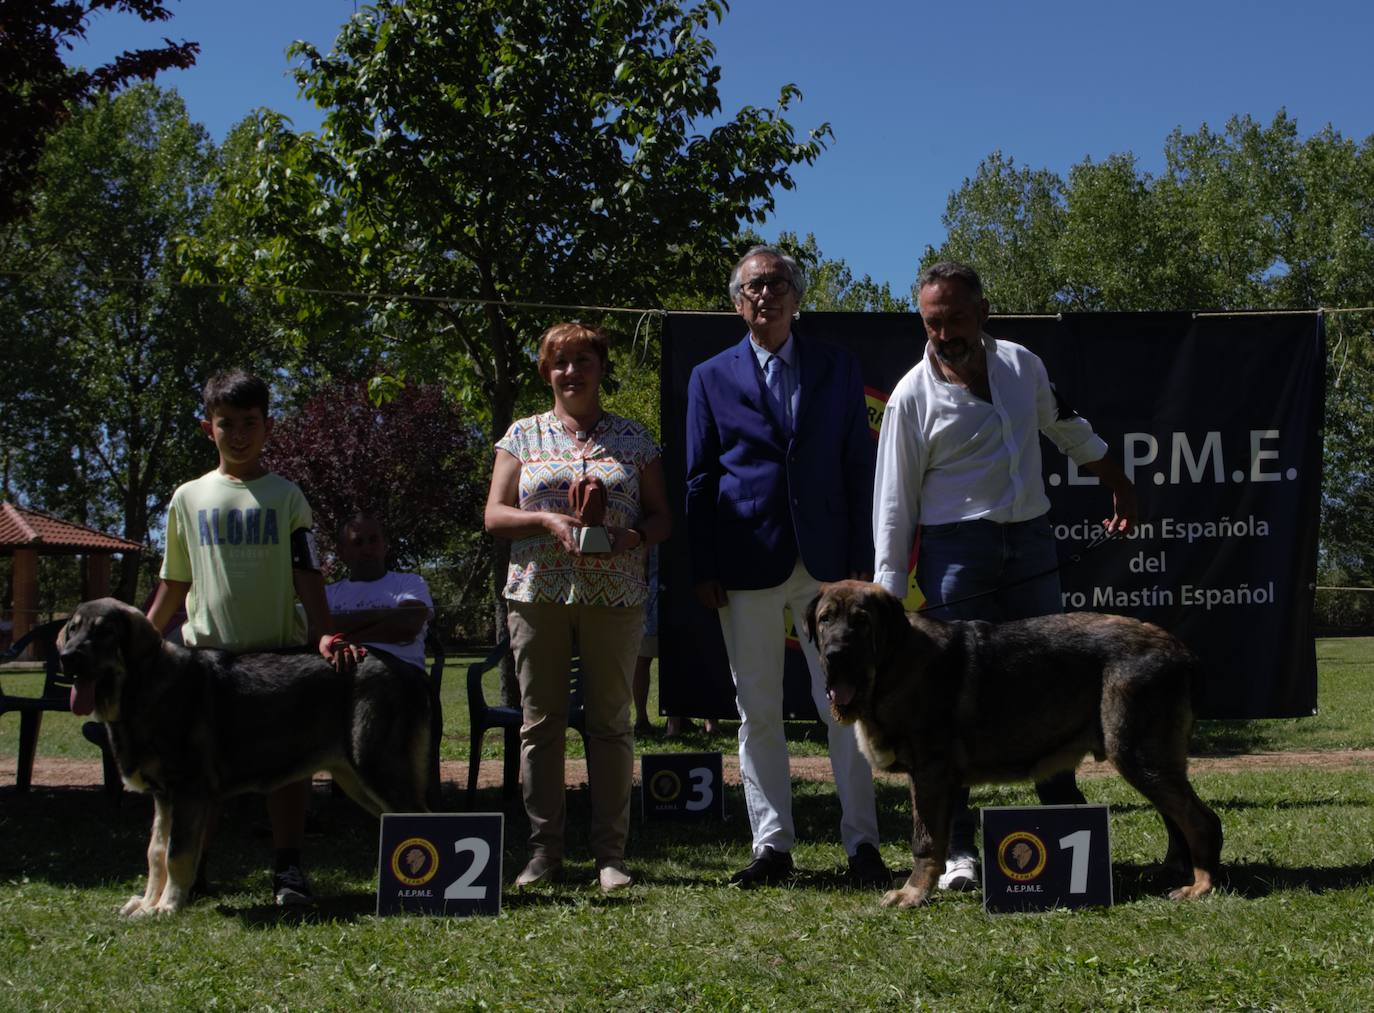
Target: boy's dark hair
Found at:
x=236, y=388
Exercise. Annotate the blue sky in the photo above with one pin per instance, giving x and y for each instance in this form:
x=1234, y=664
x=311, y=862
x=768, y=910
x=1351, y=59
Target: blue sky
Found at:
x=916, y=93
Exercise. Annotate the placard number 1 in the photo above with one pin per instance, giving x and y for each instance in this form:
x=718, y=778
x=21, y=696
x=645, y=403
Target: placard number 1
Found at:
x=1079, y=843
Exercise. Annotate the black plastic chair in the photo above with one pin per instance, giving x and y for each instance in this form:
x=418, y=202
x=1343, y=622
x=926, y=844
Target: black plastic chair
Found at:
x=435, y=648
x=482, y=716
x=56, y=695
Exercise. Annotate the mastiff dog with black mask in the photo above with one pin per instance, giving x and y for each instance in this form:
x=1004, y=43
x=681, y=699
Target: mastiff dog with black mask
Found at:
x=964, y=703
x=194, y=726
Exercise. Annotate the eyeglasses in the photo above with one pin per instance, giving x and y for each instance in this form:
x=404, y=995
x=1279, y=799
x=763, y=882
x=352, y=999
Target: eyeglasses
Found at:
x=777, y=284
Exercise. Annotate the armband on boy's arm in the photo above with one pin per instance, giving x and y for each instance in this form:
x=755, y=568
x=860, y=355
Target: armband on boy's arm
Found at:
x=305, y=553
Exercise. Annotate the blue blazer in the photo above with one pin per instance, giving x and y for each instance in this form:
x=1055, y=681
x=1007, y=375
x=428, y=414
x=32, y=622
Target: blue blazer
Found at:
x=755, y=499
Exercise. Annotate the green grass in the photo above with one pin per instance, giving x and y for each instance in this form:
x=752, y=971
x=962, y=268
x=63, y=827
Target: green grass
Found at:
x=1291, y=928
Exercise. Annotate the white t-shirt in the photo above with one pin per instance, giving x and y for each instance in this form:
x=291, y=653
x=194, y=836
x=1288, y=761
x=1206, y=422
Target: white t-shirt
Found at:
x=387, y=591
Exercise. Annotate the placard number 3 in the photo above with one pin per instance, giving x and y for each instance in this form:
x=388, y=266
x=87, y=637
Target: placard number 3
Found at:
x=1079, y=842
x=701, y=781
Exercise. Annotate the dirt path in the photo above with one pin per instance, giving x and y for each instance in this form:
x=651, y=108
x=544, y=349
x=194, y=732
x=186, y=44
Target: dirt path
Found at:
x=48, y=772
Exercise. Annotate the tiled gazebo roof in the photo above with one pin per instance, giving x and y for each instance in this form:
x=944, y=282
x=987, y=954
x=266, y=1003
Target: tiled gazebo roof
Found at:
x=29, y=529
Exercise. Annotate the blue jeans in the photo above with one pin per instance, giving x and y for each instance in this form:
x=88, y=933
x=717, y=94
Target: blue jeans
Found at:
x=973, y=557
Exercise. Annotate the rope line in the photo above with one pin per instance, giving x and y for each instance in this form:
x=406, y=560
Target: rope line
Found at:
x=642, y=310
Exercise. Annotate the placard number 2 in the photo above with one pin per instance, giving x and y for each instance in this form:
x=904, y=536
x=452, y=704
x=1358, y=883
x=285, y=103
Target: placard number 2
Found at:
x=462, y=888
x=701, y=781
x=1079, y=842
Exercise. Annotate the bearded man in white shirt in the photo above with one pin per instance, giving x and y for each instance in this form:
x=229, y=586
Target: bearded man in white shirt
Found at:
x=959, y=459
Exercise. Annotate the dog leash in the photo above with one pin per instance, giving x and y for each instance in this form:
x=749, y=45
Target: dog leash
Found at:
x=1100, y=538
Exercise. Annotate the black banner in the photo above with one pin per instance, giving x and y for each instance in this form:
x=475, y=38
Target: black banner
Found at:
x=1216, y=418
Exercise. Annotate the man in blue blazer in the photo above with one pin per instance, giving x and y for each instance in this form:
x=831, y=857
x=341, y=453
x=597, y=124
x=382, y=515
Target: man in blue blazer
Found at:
x=779, y=499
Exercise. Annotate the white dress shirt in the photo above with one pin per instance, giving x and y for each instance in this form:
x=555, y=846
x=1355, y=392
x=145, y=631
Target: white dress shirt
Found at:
x=946, y=455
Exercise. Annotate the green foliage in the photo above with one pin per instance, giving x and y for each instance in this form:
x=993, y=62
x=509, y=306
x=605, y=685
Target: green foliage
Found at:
x=831, y=284
x=1250, y=217
x=1005, y=221
x=510, y=151
x=107, y=353
x=38, y=91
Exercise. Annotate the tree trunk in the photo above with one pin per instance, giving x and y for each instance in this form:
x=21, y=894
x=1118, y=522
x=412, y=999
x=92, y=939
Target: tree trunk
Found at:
x=136, y=530
x=127, y=587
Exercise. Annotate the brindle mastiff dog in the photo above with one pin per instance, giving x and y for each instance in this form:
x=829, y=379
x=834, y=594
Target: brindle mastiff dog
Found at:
x=964, y=703
x=194, y=726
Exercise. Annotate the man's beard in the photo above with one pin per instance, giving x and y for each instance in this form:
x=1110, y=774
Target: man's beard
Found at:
x=948, y=354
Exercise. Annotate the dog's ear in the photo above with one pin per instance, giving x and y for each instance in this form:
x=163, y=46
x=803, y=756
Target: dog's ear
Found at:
x=809, y=620
x=889, y=620
x=143, y=638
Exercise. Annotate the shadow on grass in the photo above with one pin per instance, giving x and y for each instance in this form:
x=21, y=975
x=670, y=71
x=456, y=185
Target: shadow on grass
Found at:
x=325, y=910
x=74, y=837
x=1231, y=738
x=1252, y=880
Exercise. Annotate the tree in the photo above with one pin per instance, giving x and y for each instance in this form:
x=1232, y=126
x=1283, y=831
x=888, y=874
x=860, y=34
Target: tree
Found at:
x=411, y=460
x=40, y=91
x=1007, y=221
x=109, y=353
x=509, y=151
x=831, y=285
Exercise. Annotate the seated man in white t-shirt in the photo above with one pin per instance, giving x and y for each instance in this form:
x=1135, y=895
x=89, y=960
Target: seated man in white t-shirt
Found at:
x=377, y=607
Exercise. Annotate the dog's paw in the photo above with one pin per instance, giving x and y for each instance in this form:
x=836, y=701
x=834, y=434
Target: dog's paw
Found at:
x=135, y=907
x=907, y=896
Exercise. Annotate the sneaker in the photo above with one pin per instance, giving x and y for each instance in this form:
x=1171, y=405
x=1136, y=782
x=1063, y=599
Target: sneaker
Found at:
x=769, y=868
x=961, y=873
x=866, y=868
x=290, y=888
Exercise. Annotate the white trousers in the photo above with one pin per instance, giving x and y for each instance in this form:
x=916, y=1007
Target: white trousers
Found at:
x=754, y=640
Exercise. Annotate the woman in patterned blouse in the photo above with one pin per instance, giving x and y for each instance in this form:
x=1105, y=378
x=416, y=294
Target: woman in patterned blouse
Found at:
x=563, y=601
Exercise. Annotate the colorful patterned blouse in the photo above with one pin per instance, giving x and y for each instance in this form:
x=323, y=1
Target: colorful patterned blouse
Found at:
x=550, y=460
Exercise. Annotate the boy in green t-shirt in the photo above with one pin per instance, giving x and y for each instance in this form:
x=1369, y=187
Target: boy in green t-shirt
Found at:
x=239, y=553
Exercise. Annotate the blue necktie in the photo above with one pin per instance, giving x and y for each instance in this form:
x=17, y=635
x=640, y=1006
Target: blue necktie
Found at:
x=777, y=391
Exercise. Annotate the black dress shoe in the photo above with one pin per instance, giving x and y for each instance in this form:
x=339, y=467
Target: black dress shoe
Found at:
x=866, y=868
x=768, y=868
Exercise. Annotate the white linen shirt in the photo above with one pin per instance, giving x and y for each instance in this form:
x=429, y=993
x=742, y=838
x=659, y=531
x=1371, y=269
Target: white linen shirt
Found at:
x=946, y=455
